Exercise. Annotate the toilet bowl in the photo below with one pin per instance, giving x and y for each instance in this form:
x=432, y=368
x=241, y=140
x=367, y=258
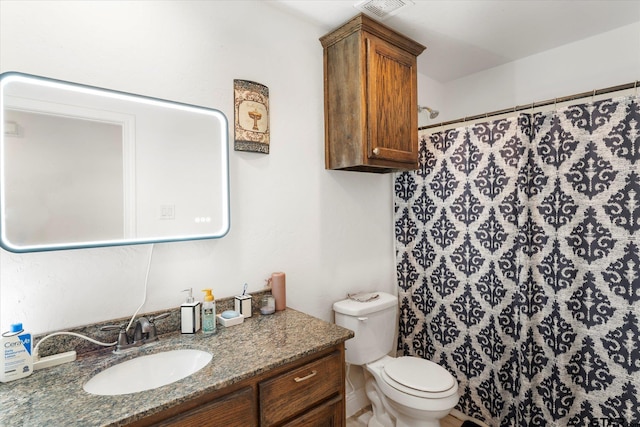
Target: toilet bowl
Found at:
x=404, y=391
x=418, y=392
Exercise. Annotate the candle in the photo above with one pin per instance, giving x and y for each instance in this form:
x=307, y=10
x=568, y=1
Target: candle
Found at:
x=279, y=291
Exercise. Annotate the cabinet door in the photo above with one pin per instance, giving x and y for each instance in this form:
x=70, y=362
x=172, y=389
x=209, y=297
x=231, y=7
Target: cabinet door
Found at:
x=233, y=410
x=328, y=414
x=392, y=116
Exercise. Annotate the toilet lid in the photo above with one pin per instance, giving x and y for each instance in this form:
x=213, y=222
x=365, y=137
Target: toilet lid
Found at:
x=419, y=374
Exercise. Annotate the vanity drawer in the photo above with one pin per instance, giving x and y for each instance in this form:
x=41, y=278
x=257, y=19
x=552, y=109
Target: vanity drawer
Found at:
x=236, y=409
x=297, y=391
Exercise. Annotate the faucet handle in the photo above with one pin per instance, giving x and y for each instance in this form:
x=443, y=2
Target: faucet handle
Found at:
x=123, y=339
x=158, y=317
x=153, y=333
x=110, y=327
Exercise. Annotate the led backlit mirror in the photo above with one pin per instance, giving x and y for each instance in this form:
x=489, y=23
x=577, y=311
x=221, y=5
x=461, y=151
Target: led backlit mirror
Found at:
x=83, y=167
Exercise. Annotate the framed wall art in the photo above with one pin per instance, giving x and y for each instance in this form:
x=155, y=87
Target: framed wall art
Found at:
x=251, y=112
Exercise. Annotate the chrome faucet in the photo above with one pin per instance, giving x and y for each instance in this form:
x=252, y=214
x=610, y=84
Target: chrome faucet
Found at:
x=143, y=332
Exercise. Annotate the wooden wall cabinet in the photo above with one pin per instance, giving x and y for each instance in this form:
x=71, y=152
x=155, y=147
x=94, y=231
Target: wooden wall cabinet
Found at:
x=308, y=392
x=371, y=98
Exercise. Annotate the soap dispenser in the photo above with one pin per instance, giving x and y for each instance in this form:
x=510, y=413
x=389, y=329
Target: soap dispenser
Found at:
x=190, y=314
x=208, y=312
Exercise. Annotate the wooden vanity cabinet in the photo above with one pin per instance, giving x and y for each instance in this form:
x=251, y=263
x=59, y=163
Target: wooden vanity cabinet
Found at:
x=371, y=98
x=308, y=392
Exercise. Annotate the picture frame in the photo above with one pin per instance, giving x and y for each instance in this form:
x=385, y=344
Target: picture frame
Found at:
x=251, y=116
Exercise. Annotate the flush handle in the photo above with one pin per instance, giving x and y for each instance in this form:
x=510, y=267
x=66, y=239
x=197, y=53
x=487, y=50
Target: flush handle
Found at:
x=300, y=379
x=363, y=319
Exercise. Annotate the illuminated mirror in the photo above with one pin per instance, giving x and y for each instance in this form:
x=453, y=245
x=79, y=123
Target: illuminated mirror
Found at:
x=85, y=167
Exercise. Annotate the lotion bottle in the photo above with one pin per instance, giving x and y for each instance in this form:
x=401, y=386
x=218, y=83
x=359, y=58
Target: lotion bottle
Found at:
x=16, y=361
x=208, y=312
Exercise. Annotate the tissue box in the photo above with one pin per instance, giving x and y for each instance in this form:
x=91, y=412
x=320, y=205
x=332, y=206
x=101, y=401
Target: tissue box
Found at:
x=230, y=322
x=243, y=305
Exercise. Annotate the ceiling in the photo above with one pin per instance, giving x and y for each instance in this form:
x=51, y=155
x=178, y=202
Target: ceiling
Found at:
x=467, y=36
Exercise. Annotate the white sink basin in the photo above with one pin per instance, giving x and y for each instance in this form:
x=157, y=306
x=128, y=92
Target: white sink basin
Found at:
x=147, y=372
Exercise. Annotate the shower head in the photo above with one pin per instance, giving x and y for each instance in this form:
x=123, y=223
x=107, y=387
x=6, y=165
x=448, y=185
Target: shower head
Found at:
x=432, y=113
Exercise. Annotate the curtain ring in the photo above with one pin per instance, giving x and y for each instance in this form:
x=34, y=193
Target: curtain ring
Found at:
x=593, y=96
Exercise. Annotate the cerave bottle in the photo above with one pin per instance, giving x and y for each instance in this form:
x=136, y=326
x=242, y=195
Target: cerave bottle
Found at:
x=16, y=361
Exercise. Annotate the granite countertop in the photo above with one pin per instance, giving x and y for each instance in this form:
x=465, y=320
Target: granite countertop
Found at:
x=54, y=396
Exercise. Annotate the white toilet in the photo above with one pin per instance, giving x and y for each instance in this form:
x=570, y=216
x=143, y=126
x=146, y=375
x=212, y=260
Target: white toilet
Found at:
x=404, y=391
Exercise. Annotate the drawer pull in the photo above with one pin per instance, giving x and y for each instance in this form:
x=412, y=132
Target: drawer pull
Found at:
x=300, y=379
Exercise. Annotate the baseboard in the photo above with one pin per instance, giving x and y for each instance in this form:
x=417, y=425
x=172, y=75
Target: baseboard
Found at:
x=356, y=400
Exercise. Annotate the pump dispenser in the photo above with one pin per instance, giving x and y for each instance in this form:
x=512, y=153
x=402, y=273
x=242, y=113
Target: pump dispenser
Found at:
x=208, y=312
x=190, y=314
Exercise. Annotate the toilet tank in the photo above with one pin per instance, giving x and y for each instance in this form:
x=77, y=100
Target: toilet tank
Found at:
x=374, y=324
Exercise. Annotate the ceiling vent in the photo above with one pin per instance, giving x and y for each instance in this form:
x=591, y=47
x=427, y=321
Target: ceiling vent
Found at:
x=382, y=9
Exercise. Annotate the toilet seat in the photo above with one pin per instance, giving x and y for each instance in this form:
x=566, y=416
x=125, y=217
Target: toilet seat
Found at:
x=418, y=377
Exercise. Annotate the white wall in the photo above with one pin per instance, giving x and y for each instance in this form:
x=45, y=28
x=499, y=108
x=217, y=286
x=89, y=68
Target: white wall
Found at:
x=430, y=94
x=609, y=59
x=330, y=231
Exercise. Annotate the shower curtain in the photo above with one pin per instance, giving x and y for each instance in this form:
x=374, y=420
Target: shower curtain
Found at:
x=518, y=264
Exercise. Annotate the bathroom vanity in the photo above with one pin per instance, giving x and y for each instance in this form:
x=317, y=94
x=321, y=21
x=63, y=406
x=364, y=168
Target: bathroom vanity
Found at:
x=285, y=369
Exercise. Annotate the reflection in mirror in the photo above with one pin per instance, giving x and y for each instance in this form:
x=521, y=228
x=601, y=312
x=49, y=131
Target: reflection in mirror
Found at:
x=84, y=167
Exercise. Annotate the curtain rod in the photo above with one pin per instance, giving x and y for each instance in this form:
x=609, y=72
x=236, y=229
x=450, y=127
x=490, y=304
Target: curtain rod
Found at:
x=632, y=85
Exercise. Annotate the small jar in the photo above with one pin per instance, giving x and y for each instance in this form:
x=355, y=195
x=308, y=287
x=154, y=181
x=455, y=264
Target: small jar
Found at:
x=268, y=304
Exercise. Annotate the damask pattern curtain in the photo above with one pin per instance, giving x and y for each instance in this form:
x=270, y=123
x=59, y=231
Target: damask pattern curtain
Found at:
x=518, y=264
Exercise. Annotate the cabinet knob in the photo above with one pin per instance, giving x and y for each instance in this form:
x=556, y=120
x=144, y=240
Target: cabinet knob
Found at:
x=376, y=151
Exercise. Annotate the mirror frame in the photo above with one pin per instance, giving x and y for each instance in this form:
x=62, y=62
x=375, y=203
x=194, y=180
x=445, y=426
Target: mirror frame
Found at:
x=12, y=76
